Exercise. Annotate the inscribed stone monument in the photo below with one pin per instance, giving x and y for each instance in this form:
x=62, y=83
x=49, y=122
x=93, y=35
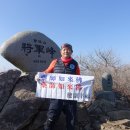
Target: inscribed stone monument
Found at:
x=107, y=82
x=107, y=92
x=30, y=51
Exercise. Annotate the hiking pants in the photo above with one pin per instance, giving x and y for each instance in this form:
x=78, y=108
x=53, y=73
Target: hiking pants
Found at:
x=56, y=107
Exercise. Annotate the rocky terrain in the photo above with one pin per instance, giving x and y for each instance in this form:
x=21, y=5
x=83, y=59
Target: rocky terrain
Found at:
x=21, y=110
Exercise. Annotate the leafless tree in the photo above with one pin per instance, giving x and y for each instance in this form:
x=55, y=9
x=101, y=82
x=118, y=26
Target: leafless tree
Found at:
x=105, y=61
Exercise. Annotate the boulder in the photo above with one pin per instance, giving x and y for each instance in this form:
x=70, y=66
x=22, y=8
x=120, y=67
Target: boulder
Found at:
x=7, y=82
x=30, y=51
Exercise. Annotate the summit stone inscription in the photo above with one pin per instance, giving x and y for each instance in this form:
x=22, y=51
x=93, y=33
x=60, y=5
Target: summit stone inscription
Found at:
x=30, y=51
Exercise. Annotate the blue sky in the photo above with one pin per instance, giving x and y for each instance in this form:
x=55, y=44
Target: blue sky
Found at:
x=88, y=25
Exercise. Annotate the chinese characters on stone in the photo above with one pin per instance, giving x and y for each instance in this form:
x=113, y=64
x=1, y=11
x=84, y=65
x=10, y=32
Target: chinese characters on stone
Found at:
x=38, y=47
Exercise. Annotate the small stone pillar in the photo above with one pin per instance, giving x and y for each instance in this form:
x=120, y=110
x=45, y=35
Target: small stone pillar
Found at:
x=107, y=82
x=107, y=92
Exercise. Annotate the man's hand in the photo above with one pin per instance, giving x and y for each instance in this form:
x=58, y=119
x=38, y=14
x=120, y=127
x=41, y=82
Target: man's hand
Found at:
x=36, y=77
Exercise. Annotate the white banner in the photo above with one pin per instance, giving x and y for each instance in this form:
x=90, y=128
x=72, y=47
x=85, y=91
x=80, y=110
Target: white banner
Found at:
x=65, y=86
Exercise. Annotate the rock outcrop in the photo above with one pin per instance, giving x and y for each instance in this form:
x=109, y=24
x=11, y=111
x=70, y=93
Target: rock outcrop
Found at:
x=21, y=110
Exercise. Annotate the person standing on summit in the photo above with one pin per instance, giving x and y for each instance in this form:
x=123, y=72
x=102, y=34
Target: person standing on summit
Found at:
x=64, y=65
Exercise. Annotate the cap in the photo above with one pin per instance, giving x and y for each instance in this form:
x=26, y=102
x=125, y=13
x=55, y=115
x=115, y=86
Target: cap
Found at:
x=67, y=46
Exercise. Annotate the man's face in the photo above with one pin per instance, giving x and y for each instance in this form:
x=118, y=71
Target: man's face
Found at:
x=66, y=52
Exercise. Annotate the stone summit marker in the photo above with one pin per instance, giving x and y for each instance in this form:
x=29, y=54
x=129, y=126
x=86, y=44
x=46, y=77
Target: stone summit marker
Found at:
x=30, y=51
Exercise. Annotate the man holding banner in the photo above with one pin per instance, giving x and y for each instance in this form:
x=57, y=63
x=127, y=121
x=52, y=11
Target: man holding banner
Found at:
x=64, y=65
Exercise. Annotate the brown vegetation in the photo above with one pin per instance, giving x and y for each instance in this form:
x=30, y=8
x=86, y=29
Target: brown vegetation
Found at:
x=106, y=61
